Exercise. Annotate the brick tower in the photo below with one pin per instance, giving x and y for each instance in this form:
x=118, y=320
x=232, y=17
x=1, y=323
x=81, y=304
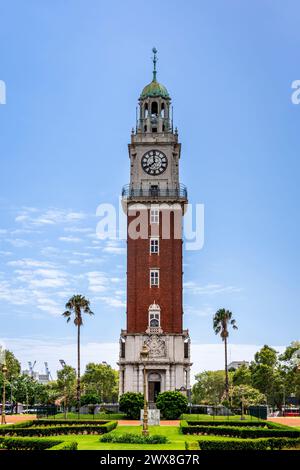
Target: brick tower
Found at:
x=154, y=202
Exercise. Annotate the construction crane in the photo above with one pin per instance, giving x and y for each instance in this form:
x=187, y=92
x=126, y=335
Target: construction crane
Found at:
x=31, y=367
x=48, y=373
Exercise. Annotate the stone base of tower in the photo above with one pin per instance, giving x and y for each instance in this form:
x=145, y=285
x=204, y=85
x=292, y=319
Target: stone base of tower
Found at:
x=167, y=368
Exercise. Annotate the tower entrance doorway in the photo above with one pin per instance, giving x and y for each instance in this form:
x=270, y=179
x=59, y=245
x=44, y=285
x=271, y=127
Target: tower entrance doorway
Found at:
x=154, y=387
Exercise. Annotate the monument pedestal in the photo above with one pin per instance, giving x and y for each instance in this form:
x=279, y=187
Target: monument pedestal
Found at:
x=153, y=417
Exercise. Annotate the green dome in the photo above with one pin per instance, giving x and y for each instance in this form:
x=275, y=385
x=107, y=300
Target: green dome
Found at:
x=154, y=89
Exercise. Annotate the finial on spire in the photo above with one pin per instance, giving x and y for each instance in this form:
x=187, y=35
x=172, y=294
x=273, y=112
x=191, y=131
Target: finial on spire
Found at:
x=154, y=58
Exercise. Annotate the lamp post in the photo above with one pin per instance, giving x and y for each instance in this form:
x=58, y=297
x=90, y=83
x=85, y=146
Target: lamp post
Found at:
x=4, y=371
x=144, y=356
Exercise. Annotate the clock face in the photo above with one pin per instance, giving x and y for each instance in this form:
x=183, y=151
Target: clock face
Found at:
x=154, y=162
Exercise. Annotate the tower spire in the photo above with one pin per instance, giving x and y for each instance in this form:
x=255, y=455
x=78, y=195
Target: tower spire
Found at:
x=154, y=58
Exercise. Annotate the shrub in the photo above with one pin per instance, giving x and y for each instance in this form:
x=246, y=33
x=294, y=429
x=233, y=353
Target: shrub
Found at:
x=249, y=444
x=194, y=445
x=22, y=443
x=246, y=424
x=131, y=403
x=242, y=432
x=171, y=404
x=129, y=438
x=61, y=429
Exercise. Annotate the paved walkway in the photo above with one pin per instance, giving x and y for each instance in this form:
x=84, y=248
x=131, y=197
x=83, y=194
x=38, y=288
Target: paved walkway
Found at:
x=10, y=419
x=124, y=422
x=288, y=421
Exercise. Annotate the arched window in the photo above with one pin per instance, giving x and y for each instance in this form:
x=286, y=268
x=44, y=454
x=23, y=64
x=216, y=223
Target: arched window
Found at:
x=154, y=108
x=162, y=110
x=154, y=316
x=146, y=112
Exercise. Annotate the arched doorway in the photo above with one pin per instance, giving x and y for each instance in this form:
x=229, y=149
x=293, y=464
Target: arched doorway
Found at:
x=154, y=386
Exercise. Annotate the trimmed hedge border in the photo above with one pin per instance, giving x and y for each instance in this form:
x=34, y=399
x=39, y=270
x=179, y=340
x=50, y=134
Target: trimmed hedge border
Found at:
x=130, y=438
x=236, y=431
x=57, y=430
x=192, y=445
x=69, y=422
x=227, y=423
x=249, y=444
x=23, y=443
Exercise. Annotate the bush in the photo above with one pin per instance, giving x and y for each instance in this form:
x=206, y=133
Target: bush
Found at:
x=171, y=404
x=242, y=432
x=249, y=444
x=129, y=438
x=246, y=424
x=131, y=403
x=194, y=445
x=60, y=429
x=22, y=443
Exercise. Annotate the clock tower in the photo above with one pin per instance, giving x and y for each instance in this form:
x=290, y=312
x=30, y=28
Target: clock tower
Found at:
x=154, y=202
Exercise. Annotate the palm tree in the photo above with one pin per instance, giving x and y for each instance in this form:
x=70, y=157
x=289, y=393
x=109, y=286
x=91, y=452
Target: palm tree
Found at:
x=76, y=305
x=221, y=321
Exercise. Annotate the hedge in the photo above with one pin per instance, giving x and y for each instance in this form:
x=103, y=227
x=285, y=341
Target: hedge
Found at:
x=69, y=422
x=22, y=443
x=56, y=430
x=130, y=438
x=242, y=432
x=249, y=444
x=192, y=445
x=248, y=424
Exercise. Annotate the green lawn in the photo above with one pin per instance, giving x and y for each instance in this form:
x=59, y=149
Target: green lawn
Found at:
x=172, y=432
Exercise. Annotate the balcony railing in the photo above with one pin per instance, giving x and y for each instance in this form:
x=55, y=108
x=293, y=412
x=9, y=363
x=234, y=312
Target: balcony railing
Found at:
x=130, y=192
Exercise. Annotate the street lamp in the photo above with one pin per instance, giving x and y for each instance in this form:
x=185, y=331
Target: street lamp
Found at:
x=4, y=371
x=144, y=356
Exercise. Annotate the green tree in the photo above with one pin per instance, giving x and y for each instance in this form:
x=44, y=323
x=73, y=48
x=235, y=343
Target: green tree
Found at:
x=101, y=380
x=242, y=376
x=245, y=395
x=209, y=387
x=171, y=404
x=77, y=305
x=221, y=322
x=131, y=403
x=266, y=376
x=66, y=384
x=289, y=365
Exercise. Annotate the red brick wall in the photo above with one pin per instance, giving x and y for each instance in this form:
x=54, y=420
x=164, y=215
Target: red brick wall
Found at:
x=169, y=293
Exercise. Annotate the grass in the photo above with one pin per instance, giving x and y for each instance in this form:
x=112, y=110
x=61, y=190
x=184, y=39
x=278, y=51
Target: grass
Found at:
x=176, y=439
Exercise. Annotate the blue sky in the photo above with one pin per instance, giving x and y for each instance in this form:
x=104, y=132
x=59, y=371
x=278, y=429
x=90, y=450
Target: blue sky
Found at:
x=73, y=72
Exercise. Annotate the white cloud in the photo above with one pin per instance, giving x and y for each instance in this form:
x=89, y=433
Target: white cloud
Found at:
x=113, y=302
x=18, y=242
x=115, y=247
x=29, y=263
x=204, y=311
x=209, y=289
x=70, y=239
x=36, y=217
x=98, y=281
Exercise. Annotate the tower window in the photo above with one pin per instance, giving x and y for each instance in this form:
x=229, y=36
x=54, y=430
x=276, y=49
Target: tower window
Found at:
x=154, y=109
x=162, y=110
x=154, y=216
x=146, y=111
x=154, y=319
x=123, y=349
x=154, y=277
x=154, y=246
x=186, y=350
x=145, y=128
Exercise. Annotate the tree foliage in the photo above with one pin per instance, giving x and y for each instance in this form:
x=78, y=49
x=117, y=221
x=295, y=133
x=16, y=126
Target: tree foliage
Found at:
x=171, y=404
